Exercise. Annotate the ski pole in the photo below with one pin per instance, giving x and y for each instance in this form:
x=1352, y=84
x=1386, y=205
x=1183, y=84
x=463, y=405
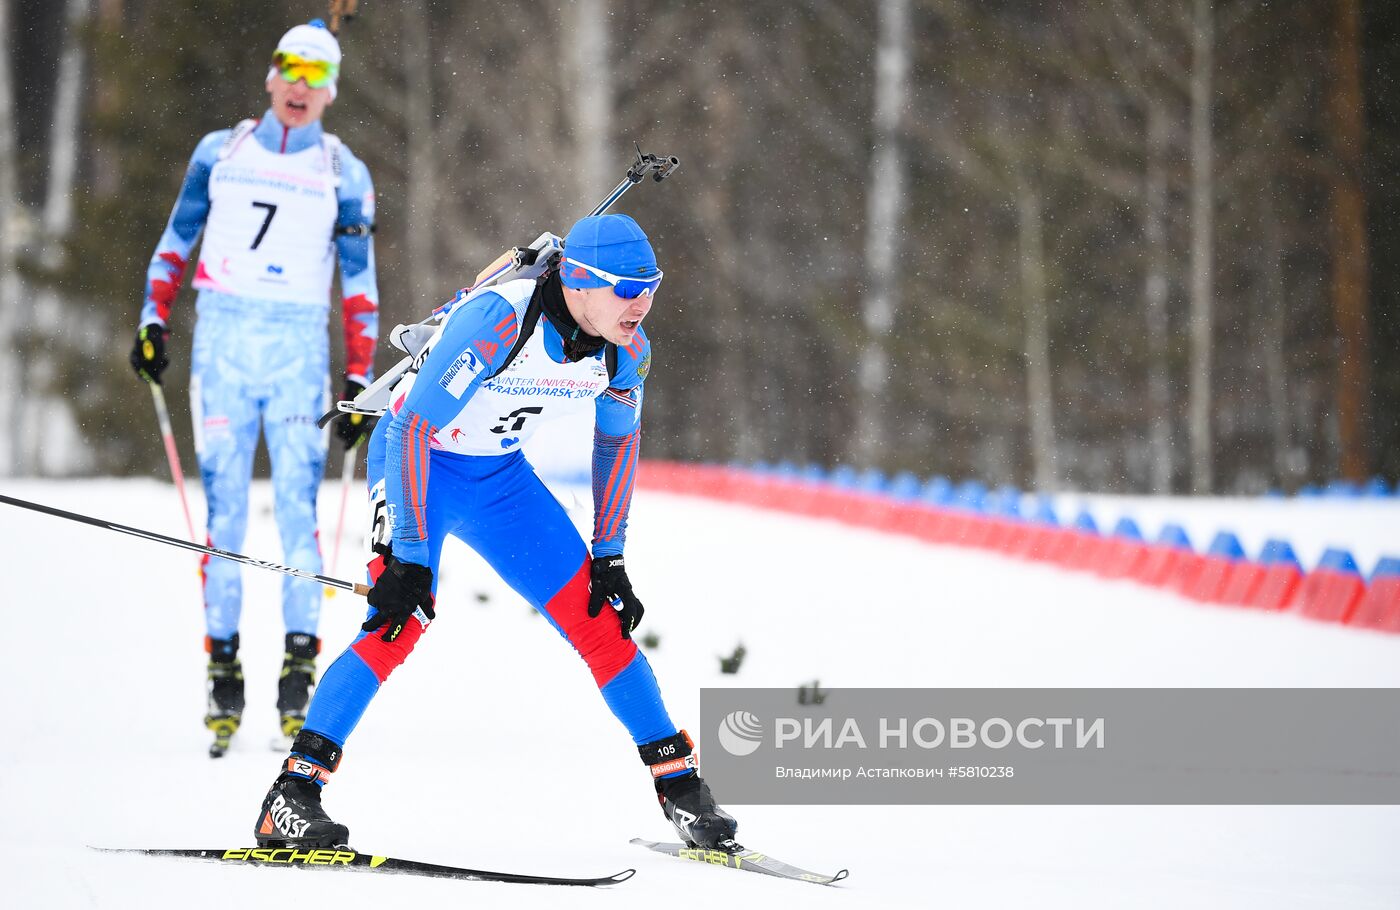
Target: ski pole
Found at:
x=172, y=455
x=360, y=589
x=347, y=480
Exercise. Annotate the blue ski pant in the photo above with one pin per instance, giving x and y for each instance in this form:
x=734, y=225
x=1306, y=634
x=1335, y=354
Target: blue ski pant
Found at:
x=501, y=509
x=260, y=365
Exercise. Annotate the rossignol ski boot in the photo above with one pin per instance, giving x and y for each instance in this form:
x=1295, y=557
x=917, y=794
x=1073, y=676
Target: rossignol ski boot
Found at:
x=297, y=679
x=291, y=813
x=225, y=692
x=685, y=798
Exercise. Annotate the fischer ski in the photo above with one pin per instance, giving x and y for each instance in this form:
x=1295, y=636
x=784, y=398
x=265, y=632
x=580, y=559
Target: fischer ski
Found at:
x=740, y=858
x=345, y=858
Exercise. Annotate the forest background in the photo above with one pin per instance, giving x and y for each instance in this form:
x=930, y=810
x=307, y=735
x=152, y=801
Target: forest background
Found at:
x=1092, y=244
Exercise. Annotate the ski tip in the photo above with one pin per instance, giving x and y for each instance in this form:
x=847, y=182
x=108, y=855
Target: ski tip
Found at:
x=839, y=876
x=622, y=876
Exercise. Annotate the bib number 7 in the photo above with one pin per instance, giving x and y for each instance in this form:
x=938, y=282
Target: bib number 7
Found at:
x=262, y=231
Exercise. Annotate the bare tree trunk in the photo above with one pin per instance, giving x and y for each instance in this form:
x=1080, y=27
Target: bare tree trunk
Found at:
x=884, y=211
x=590, y=94
x=1154, y=293
x=40, y=406
x=1349, y=247
x=106, y=165
x=1202, y=239
x=1039, y=393
x=1273, y=335
x=421, y=192
x=63, y=134
x=10, y=291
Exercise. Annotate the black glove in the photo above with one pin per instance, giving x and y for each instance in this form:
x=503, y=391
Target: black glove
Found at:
x=402, y=588
x=608, y=581
x=148, y=354
x=351, y=428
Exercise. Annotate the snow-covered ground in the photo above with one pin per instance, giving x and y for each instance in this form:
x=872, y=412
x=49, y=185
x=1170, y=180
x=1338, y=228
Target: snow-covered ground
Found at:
x=101, y=741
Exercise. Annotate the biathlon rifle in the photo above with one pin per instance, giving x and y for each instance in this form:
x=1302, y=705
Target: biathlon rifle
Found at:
x=521, y=262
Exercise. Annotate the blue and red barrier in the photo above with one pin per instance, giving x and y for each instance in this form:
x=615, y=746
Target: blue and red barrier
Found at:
x=968, y=515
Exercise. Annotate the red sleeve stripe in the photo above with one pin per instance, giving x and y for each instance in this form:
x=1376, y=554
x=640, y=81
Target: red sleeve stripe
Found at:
x=508, y=329
x=416, y=466
x=618, y=495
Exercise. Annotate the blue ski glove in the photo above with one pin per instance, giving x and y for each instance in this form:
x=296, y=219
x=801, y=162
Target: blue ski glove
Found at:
x=403, y=588
x=608, y=582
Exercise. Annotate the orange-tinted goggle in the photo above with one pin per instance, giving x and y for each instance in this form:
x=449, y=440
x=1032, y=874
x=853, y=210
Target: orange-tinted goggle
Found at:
x=294, y=67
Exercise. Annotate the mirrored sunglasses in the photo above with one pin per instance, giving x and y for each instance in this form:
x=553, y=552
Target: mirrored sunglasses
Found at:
x=624, y=287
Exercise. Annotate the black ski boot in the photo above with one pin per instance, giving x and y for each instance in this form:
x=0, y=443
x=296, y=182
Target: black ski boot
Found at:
x=225, y=692
x=291, y=813
x=686, y=798
x=297, y=679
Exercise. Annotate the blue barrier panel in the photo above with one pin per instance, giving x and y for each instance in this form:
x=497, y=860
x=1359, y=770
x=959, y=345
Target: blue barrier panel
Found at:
x=843, y=475
x=1174, y=535
x=1045, y=512
x=1387, y=567
x=1309, y=492
x=871, y=480
x=1339, y=560
x=906, y=485
x=814, y=473
x=1226, y=546
x=1376, y=486
x=938, y=491
x=1006, y=502
x=1084, y=522
x=1279, y=551
x=1343, y=489
x=1127, y=529
x=785, y=469
x=971, y=494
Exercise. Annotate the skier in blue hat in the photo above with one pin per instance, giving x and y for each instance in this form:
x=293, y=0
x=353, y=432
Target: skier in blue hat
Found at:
x=446, y=461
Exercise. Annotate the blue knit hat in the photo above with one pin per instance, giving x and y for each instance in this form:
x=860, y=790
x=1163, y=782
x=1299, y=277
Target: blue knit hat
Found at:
x=611, y=243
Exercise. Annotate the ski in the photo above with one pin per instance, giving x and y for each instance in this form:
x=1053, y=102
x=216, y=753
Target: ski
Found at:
x=741, y=858
x=345, y=858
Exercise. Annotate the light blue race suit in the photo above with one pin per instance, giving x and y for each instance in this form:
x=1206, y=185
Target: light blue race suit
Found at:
x=276, y=205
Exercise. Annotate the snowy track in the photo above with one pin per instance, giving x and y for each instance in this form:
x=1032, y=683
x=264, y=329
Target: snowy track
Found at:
x=101, y=741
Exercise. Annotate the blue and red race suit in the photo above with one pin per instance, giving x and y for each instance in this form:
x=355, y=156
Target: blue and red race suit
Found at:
x=448, y=462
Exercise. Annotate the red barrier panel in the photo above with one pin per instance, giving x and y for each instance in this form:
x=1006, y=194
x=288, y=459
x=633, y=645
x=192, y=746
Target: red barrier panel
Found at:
x=1380, y=605
x=1206, y=584
x=1328, y=595
x=1241, y=583
x=1003, y=531
x=1278, y=588
x=1042, y=543
x=1088, y=551
x=1159, y=565
x=978, y=531
x=1121, y=557
x=1013, y=537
